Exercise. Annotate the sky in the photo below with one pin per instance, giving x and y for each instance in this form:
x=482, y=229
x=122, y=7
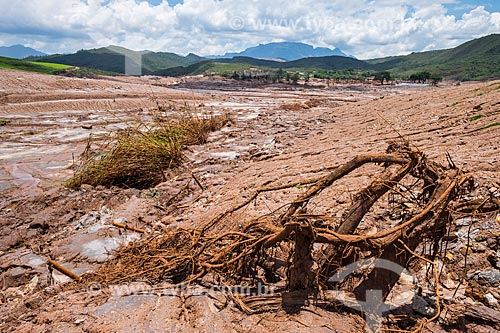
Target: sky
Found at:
x=363, y=28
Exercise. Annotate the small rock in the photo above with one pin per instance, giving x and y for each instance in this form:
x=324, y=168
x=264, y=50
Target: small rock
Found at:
x=421, y=306
x=479, y=248
x=465, y=222
x=491, y=242
x=79, y=321
x=487, y=278
x=475, y=291
x=491, y=300
x=86, y=187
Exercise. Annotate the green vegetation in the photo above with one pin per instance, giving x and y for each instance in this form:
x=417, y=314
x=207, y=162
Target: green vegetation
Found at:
x=475, y=60
x=478, y=59
x=137, y=157
x=89, y=72
x=349, y=74
x=420, y=77
x=383, y=76
x=113, y=59
x=490, y=126
x=479, y=116
x=227, y=67
x=39, y=67
x=4, y=122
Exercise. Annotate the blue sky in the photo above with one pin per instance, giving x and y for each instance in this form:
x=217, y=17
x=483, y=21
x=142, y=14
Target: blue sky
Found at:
x=462, y=7
x=172, y=3
x=364, y=28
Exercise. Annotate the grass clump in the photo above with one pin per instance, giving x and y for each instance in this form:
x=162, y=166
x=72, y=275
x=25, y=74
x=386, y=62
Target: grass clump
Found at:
x=4, y=122
x=479, y=116
x=490, y=126
x=195, y=129
x=138, y=157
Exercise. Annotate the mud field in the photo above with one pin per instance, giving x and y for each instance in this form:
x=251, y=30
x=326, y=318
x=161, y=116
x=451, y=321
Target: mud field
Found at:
x=277, y=135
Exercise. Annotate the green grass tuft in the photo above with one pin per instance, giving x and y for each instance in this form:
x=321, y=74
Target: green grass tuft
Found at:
x=490, y=126
x=138, y=157
x=479, y=116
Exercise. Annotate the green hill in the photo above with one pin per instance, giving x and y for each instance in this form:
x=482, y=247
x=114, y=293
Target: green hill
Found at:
x=113, y=58
x=225, y=66
x=328, y=63
x=478, y=59
x=39, y=67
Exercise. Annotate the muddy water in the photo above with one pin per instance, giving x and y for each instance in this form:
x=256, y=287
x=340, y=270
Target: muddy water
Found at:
x=37, y=149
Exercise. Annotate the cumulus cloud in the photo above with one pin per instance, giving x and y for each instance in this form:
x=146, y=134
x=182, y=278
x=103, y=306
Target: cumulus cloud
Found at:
x=361, y=27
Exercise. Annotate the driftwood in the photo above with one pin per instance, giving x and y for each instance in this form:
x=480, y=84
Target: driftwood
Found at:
x=253, y=252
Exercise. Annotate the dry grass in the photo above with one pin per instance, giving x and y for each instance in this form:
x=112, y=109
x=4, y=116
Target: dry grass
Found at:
x=299, y=106
x=138, y=156
x=295, y=106
x=196, y=129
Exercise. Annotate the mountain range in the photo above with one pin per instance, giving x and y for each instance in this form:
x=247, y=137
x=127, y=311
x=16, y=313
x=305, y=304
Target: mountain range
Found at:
x=286, y=51
x=19, y=52
x=111, y=58
x=478, y=59
x=119, y=59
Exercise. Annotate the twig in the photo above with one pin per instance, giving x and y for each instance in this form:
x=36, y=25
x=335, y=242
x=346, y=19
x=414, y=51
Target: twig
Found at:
x=128, y=227
x=65, y=271
x=198, y=182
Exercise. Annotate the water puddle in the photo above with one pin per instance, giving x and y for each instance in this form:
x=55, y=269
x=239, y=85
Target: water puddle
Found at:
x=225, y=155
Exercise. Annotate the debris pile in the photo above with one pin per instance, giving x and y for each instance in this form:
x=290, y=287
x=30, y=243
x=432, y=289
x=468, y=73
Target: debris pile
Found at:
x=303, y=253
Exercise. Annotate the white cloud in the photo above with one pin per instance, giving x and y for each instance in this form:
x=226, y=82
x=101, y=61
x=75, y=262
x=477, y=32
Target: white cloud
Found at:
x=360, y=27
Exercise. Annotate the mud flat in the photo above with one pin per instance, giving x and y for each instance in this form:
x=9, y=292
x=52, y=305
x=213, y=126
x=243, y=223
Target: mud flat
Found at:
x=277, y=133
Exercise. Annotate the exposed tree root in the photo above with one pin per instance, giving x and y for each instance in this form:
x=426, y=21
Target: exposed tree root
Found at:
x=292, y=242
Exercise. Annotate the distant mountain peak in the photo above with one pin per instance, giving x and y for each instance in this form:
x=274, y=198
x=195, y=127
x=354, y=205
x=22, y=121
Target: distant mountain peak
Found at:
x=19, y=52
x=288, y=51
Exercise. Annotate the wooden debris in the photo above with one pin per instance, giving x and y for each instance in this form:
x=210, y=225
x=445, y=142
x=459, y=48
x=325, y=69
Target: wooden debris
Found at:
x=65, y=271
x=240, y=254
x=128, y=227
x=483, y=314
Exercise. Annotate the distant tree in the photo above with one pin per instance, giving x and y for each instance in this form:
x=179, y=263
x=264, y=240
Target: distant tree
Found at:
x=295, y=78
x=424, y=76
x=383, y=76
x=420, y=77
x=306, y=78
x=435, y=79
x=235, y=76
x=280, y=74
